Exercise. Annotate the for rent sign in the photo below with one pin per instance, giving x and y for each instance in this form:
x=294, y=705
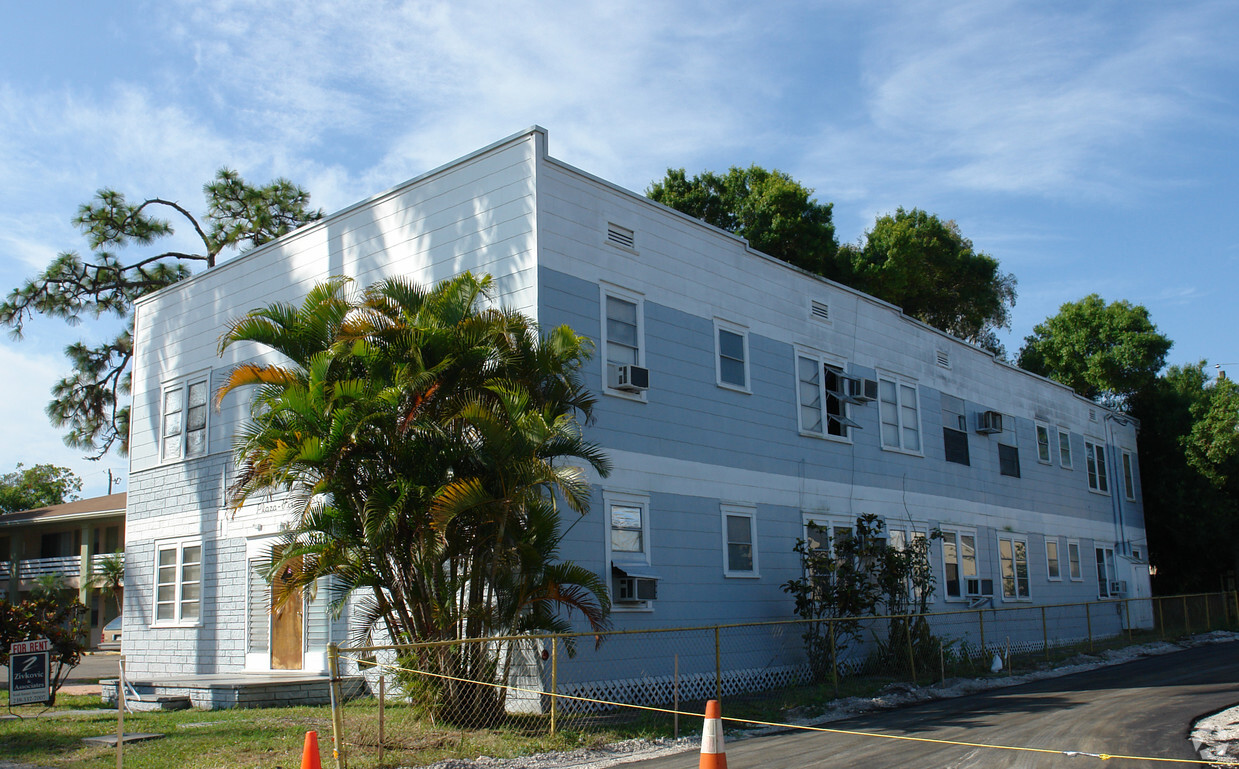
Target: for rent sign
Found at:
x=29, y=664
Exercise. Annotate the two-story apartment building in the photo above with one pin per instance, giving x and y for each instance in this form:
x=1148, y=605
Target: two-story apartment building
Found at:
x=65, y=544
x=742, y=402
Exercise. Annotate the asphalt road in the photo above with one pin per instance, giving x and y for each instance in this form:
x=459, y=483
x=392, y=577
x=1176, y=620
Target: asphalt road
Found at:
x=1141, y=708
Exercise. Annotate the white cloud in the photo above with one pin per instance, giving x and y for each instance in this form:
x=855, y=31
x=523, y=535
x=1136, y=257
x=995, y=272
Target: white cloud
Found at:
x=1006, y=97
x=28, y=438
x=419, y=83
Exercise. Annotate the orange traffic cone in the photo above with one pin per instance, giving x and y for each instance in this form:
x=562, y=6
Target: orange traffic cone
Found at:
x=712, y=754
x=309, y=754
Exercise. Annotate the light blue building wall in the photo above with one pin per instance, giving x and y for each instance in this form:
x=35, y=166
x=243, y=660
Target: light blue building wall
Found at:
x=693, y=455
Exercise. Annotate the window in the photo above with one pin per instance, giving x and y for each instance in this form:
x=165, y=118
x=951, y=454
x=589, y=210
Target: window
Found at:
x=184, y=420
x=1106, y=574
x=959, y=560
x=1129, y=478
x=622, y=334
x=1064, y=448
x=732, y=368
x=954, y=430
x=1013, y=567
x=901, y=426
x=1043, y=444
x=1095, y=461
x=1073, y=561
x=1052, y=568
x=897, y=539
x=1008, y=450
x=739, y=541
x=825, y=536
x=627, y=529
x=823, y=408
x=178, y=582
x=633, y=580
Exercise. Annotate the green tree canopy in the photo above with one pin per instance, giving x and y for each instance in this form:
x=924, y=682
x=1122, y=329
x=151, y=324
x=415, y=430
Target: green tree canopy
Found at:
x=1102, y=351
x=1189, y=477
x=912, y=259
x=770, y=209
x=430, y=441
x=88, y=403
x=29, y=487
x=924, y=265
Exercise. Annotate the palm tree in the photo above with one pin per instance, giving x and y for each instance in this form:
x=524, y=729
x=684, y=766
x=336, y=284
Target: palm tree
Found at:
x=428, y=439
x=111, y=578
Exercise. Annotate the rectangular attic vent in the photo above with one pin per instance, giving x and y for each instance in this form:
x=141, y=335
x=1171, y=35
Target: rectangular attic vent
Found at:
x=621, y=236
x=820, y=310
x=943, y=357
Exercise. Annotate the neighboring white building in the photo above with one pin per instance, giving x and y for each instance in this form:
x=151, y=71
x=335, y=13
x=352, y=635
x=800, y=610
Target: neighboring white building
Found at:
x=746, y=432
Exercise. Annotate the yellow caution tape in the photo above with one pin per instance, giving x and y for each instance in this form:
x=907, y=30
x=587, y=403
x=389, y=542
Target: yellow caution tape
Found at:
x=668, y=711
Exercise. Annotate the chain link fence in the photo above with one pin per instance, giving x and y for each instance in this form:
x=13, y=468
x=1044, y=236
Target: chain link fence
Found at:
x=438, y=700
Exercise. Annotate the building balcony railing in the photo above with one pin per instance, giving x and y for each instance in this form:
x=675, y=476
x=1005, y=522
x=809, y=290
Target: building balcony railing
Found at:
x=68, y=566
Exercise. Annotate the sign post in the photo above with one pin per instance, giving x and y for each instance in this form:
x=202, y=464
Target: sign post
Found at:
x=29, y=667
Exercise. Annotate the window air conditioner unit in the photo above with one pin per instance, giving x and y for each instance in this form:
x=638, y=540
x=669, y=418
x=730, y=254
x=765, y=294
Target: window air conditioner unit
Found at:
x=975, y=587
x=634, y=589
x=862, y=390
x=989, y=422
x=633, y=379
x=1118, y=588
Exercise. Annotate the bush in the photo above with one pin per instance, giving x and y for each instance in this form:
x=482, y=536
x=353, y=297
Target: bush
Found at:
x=62, y=623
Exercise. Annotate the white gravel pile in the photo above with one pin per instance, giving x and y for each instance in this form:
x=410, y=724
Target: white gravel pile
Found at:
x=1217, y=737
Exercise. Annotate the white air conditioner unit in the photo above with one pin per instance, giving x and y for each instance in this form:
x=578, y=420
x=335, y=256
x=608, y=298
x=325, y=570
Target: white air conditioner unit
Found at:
x=633, y=379
x=862, y=390
x=1118, y=588
x=634, y=589
x=989, y=422
x=975, y=587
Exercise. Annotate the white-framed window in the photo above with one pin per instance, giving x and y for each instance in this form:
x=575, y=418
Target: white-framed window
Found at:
x=633, y=581
x=899, y=412
x=899, y=538
x=1008, y=448
x=959, y=561
x=1064, y=448
x=1043, y=443
x=623, y=336
x=731, y=360
x=1053, y=564
x=1013, y=567
x=178, y=582
x=1095, y=462
x=183, y=430
x=739, y=540
x=822, y=407
x=955, y=430
x=1129, y=477
x=824, y=533
x=1107, y=573
x=1074, y=570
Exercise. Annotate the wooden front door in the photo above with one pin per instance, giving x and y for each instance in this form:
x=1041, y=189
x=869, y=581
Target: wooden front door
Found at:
x=286, y=625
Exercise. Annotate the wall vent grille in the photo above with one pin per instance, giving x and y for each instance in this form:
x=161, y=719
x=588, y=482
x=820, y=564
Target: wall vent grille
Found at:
x=621, y=236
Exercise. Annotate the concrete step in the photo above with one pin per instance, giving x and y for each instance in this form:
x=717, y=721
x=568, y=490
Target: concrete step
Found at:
x=150, y=702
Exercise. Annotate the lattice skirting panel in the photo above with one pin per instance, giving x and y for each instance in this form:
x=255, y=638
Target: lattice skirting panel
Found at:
x=659, y=690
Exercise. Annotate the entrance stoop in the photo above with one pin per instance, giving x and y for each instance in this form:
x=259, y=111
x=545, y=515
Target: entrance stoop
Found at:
x=233, y=690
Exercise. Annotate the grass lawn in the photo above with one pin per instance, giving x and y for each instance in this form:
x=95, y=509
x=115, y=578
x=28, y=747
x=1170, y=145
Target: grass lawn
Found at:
x=270, y=737
x=273, y=737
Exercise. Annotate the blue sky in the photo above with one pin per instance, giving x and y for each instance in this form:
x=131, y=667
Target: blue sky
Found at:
x=1090, y=147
